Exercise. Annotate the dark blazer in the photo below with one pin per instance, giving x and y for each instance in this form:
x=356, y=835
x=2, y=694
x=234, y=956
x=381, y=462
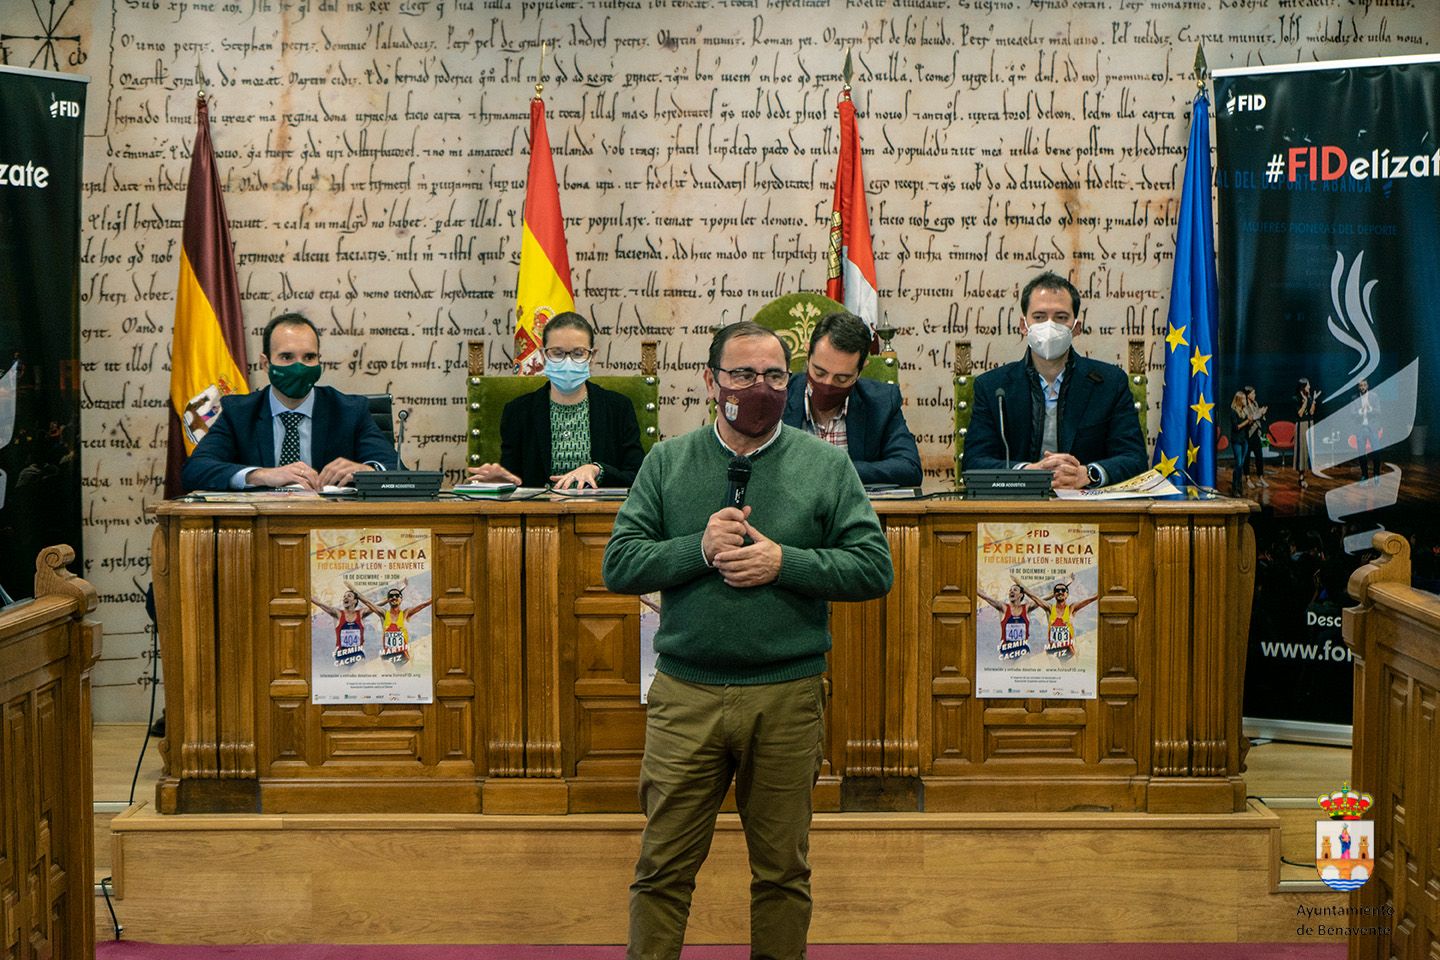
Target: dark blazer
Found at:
x=1097, y=422
x=614, y=436
x=880, y=443
x=244, y=436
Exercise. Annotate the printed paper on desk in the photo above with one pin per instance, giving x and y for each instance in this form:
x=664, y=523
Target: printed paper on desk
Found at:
x=1142, y=486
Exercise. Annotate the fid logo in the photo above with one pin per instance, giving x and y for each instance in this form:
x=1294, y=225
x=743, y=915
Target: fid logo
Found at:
x=1245, y=103
x=64, y=108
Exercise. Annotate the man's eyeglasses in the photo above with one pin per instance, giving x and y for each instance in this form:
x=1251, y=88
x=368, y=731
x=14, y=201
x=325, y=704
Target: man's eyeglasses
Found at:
x=741, y=377
x=574, y=353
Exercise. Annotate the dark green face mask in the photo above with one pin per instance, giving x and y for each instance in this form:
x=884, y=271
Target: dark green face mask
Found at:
x=294, y=379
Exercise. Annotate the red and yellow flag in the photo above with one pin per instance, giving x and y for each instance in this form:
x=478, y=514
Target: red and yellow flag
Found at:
x=851, y=276
x=207, y=354
x=543, y=289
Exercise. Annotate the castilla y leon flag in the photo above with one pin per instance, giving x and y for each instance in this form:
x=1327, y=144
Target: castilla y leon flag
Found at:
x=207, y=355
x=543, y=289
x=851, y=258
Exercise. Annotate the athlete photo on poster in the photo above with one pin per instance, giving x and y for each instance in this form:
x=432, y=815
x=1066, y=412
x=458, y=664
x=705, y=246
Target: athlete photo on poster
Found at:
x=1036, y=625
x=370, y=622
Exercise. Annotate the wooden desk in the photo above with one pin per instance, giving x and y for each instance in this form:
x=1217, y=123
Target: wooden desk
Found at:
x=47, y=863
x=537, y=668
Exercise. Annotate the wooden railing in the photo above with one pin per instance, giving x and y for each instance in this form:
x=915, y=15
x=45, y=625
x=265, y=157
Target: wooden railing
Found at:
x=47, y=647
x=1394, y=633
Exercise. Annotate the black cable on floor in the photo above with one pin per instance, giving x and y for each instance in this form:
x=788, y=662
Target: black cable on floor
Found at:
x=150, y=720
x=114, y=920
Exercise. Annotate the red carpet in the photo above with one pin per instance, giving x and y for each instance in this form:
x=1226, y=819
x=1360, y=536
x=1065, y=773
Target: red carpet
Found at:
x=128, y=950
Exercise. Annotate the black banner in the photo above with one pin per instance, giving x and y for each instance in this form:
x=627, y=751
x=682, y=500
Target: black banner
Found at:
x=42, y=115
x=1328, y=180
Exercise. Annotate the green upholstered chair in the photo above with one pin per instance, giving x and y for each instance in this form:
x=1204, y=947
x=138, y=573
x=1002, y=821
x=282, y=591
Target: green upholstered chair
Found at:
x=1140, y=386
x=486, y=396
x=964, y=378
x=794, y=316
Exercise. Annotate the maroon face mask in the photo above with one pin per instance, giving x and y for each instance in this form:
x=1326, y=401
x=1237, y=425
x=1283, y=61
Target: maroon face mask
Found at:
x=827, y=396
x=753, y=411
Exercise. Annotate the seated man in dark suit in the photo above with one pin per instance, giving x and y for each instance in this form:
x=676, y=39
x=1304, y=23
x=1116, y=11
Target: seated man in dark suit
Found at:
x=1063, y=412
x=862, y=417
x=293, y=432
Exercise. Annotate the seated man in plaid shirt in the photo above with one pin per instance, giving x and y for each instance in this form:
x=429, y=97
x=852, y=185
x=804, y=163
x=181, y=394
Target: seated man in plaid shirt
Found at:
x=860, y=416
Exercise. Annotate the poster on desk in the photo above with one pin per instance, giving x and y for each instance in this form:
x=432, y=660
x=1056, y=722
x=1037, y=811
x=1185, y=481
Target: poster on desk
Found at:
x=370, y=622
x=1036, y=624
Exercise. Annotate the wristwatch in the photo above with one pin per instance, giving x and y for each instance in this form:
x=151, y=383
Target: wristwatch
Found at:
x=1096, y=477
x=599, y=470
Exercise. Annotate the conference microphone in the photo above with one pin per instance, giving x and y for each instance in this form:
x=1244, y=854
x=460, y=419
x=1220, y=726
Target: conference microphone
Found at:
x=739, y=476
x=402, y=416
x=1000, y=401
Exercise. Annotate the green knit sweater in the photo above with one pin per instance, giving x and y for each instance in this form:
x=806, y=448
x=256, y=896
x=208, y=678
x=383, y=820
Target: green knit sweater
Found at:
x=805, y=496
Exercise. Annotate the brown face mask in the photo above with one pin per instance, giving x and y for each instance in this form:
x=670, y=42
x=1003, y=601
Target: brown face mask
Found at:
x=753, y=411
x=827, y=396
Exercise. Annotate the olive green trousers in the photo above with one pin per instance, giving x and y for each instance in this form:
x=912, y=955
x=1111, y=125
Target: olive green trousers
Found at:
x=698, y=737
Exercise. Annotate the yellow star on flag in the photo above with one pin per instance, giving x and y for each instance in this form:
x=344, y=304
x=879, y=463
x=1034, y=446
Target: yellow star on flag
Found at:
x=1198, y=363
x=1166, y=466
x=1176, y=338
x=1191, y=452
x=1202, y=409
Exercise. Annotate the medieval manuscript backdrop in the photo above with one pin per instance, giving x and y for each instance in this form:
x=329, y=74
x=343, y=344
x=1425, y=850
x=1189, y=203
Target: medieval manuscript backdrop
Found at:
x=374, y=152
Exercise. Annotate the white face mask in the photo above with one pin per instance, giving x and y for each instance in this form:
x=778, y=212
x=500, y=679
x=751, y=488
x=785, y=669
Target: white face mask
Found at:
x=1049, y=340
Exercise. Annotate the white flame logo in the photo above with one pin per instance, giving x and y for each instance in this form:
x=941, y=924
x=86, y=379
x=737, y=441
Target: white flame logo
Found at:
x=1355, y=327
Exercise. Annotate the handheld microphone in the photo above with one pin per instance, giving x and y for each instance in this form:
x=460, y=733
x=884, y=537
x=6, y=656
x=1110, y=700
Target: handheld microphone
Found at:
x=402, y=416
x=1000, y=401
x=739, y=476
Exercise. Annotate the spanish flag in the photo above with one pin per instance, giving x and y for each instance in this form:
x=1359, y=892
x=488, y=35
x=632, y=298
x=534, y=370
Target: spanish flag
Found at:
x=207, y=355
x=851, y=259
x=544, y=287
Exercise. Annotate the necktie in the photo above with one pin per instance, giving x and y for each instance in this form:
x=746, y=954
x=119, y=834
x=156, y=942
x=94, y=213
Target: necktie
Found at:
x=290, y=444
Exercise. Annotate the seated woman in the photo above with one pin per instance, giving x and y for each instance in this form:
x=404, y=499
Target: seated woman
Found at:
x=569, y=433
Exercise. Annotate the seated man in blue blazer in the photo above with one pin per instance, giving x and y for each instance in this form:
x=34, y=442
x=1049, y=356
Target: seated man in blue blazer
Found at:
x=1063, y=412
x=294, y=432
x=860, y=416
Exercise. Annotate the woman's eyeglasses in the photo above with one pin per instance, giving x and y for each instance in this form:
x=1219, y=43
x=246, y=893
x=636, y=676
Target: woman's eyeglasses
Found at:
x=574, y=353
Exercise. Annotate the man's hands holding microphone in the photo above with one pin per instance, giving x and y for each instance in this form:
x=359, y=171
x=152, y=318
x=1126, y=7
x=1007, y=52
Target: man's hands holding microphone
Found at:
x=740, y=564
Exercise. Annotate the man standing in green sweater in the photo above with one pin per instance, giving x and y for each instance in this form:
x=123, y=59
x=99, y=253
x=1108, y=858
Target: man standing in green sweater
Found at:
x=744, y=629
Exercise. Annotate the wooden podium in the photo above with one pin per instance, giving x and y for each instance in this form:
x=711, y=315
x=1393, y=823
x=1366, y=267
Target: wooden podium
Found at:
x=536, y=704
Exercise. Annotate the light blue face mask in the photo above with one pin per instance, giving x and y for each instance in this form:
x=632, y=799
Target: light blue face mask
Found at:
x=567, y=375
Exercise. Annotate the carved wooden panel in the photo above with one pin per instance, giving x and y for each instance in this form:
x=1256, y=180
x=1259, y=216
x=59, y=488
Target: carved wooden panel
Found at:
x=47, y=649
x=954, y=735
x=302, y=743
x=1057, y=754
x=1394, y=633
x=603, y=721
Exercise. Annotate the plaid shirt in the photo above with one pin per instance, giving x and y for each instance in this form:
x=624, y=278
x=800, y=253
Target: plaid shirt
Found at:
x=834, y=432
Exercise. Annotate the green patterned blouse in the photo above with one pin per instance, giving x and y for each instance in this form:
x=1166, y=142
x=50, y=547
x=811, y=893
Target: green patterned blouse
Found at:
x=569, y=436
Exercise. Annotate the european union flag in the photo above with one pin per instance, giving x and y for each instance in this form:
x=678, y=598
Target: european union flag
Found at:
x=1185, y=447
